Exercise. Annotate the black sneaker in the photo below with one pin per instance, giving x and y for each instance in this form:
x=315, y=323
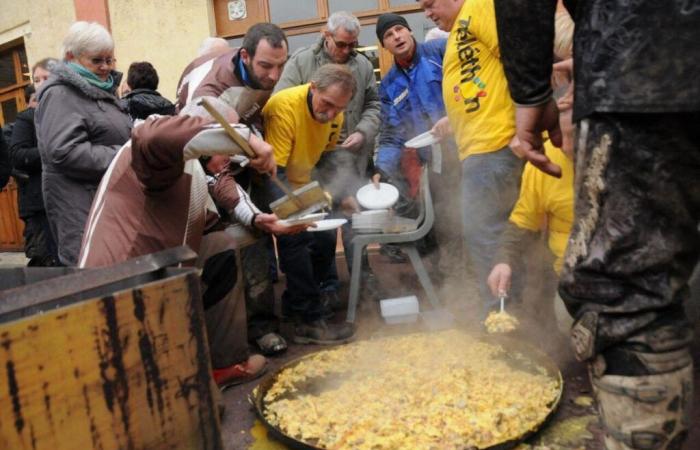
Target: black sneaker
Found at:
x=323, y=333
x=331, y=302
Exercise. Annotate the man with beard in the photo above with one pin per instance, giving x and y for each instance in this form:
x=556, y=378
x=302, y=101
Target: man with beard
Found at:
x=346, y=168
x=244, y=78
x=301, y=123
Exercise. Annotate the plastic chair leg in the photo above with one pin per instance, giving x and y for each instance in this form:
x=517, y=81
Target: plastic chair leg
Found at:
x=354, y=282
x=423, y=277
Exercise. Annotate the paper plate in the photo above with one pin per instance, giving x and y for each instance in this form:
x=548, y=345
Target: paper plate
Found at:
x=328, y=224
x=308, y=218
x=370, y=197
x=422, y=140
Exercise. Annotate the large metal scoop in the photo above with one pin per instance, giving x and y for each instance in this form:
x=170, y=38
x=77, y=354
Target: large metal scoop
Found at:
x=305, y=200
x=293, y=203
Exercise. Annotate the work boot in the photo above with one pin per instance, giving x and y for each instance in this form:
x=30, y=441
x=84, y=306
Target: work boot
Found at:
x=645, y=412
x=323, y=333
x=394, y=253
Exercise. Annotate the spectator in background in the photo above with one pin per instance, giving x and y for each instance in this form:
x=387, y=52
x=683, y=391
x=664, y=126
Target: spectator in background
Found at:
x=80, y=126
x=142, y=98
x=39, y=245
x=213, y=45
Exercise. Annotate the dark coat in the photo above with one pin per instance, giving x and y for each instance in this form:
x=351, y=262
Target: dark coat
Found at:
x=629, y=57
x=5, y=167
x=141, y=103
x=79, y=130
x=25, y=158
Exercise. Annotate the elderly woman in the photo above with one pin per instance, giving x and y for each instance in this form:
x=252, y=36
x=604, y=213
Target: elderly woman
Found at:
x=80, y=127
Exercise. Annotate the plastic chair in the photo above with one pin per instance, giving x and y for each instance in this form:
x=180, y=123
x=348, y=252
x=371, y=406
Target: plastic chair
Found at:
x=406, y=241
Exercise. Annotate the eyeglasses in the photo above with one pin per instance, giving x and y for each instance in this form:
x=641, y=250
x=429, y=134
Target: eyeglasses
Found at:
x=100, y=61
x=343, y=45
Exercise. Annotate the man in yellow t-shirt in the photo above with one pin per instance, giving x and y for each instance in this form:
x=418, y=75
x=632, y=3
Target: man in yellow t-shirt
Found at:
x=481, y=116
x=301, y=123
x=545, y=203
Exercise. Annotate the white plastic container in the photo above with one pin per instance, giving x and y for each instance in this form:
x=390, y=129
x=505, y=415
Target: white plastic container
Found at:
x=400, y=309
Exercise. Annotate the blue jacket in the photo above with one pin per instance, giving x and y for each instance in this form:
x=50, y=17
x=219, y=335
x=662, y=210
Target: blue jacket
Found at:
x=411, y=103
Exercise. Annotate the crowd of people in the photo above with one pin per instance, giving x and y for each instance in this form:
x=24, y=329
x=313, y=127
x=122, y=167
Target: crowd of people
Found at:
x=606, y=166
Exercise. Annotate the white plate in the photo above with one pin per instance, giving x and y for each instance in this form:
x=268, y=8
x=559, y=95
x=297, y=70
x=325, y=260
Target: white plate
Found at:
x=308, y=218
x=372, y=198
x=422, y=140
x=328, y=224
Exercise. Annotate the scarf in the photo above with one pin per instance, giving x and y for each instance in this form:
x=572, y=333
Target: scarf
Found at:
x=92, y=78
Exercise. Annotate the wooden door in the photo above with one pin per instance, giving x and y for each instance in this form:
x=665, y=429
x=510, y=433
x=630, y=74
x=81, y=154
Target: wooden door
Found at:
x=11, y=227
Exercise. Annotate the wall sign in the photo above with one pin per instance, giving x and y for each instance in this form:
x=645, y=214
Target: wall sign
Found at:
x=237, y=10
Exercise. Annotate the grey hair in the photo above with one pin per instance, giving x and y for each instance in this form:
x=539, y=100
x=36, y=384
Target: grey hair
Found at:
x=195, y=109
x=210, y=44
x=435, y=33
x=345, y=20
x=85, y=37
x=331, y=74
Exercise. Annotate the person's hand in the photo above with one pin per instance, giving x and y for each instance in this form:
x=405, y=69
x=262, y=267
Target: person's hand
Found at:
x=353, y=141
x=375, y=180
x=530, y=122
x=442, y=128
x=499, y=279
x=264, y=161
x=349, y=206
x=269, y=223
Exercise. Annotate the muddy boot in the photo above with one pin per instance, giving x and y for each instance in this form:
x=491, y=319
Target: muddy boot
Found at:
x=645, y=412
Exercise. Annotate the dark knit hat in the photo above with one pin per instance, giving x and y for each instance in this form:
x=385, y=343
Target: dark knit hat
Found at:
x=387, y=21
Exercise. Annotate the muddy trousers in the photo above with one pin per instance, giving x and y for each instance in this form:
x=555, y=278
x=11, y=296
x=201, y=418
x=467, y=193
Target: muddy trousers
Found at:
x=632, y=249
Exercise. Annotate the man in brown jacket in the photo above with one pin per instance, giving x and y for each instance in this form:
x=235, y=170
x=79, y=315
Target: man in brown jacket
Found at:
x=244, y=78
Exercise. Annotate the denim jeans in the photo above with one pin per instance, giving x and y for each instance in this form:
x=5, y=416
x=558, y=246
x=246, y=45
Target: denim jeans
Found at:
x=490, y=188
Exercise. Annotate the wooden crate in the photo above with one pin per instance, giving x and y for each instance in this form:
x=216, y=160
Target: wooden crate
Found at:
x=124, y=370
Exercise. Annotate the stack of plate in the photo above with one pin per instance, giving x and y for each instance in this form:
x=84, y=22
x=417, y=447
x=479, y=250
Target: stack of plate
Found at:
x=373, y=221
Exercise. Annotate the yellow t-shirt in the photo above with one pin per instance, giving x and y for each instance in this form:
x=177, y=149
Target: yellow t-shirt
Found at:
x=474, y=86
x=544, y=197
x=296, y=137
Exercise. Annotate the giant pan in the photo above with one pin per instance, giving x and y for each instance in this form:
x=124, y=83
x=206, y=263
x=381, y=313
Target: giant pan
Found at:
x=513, y=355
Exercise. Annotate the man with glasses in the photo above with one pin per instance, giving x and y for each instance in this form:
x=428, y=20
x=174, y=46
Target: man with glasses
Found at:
x=338, y=46
x=344, y=170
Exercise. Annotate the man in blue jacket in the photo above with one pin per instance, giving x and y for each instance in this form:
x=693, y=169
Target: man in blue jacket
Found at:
x=411, y=96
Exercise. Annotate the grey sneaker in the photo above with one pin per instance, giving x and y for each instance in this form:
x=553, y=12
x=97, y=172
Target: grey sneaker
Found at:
x=323, y=333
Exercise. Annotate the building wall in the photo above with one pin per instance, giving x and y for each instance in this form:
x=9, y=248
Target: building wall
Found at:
x=167, y=33
x=42, y=24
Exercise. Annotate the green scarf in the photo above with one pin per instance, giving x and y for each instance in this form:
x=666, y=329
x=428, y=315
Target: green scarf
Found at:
x=92, y=78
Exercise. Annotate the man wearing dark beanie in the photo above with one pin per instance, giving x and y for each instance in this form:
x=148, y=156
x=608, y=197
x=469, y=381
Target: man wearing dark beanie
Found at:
x=388, y=20
x=411, y=96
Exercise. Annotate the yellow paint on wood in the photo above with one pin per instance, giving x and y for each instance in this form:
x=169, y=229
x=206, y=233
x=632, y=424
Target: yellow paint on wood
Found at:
x=123, y=371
